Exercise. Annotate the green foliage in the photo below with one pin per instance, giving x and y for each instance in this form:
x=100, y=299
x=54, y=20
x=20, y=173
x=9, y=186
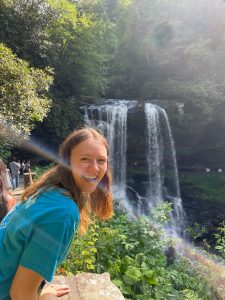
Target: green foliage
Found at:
x=220, y=239
x=40, y=170
x=204, y=186
x=145, y=49
x=82, y=256
x=190, y=295
x=62, y=119
x=160, y=54
x=195, y=231
x=23, y=90
x=5, y=148
x=160, y=214
x=23, y=28
x=131, y=250
x=81, y=40
x=76, y=39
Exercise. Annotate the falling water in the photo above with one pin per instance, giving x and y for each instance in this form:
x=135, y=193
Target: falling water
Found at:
x=111, y=118
x=154, y=155
x=179, y=214
x=163, y=184
x=162, y=165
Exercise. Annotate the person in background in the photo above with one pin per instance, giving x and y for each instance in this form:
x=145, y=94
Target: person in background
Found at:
x=22, y=169
x=8, y=179
x=6, y=199
x=14, y=169
x=3, y=204
x=5, y=175
x=27, y=167
x=36, y=235
x=7, y=202
x=20, y=165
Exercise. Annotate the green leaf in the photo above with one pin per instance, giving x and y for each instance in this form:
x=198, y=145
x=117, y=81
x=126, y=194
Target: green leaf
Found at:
x=126, y=290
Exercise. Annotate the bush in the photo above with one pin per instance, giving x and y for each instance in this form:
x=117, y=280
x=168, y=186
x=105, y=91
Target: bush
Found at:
x=40, y=170
x=131, y=250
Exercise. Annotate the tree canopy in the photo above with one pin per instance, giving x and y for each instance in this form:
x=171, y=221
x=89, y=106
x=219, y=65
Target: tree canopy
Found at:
x=128, y=49
x=23, y=90
x=170, y=50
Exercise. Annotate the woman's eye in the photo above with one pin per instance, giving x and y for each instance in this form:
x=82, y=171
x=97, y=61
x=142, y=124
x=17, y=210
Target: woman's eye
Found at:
x=84, y=159
x=101, y=161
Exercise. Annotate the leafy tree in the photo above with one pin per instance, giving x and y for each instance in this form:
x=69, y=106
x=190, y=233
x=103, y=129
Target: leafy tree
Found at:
x=23, y=91
x=62, y=119
x=23, y=28
x=80, y=40
x=72, y=38
x=170, y=50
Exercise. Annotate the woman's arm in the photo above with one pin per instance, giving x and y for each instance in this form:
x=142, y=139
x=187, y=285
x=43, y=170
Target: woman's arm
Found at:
x=10, y=201
x=25, y=284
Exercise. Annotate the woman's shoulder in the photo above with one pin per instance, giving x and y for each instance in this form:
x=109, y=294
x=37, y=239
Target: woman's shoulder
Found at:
x=59, y=199
x=58, y=193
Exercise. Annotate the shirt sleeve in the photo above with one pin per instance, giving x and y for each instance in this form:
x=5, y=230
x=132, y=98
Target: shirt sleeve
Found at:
x=47, y=247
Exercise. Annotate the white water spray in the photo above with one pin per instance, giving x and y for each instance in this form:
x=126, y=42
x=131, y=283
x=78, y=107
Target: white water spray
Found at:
x=111, y=119
x=157, y=191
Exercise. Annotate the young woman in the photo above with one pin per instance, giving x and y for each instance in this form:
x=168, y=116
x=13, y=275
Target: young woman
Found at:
x=35, y=236
x=6, y=199
x=5, y=175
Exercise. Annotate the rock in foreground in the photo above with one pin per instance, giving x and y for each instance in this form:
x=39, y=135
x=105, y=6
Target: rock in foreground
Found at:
x=89, y=286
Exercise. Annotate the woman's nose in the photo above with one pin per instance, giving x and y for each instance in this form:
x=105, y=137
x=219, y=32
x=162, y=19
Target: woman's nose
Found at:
x=94, y=165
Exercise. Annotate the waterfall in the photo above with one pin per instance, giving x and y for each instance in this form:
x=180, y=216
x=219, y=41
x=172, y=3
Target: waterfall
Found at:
x=154, y=155
x=162, y=164
x=159, y=156
x=111, y=119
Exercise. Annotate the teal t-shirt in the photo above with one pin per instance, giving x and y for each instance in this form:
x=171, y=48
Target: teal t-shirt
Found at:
x=36, y=235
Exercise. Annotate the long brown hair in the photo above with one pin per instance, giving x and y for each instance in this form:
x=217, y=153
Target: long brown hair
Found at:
x=3, y=176
x=3, y=204
x=2, y=167
x=99, y=202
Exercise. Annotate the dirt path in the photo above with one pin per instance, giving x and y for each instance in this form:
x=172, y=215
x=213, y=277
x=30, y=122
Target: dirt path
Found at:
x=19, y=190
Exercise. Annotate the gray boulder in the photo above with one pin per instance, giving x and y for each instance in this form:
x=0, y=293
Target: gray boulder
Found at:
x=89, y=286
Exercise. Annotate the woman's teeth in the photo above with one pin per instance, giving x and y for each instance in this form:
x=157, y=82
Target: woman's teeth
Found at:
x=90, y=178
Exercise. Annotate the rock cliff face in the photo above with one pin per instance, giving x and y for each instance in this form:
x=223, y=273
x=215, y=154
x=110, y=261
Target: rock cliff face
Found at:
x=198, y=137
x=89, y=286
x=140, y=139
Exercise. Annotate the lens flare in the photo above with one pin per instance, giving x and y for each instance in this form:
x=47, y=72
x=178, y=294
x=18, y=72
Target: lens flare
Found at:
x=212, y=270
x=8, y=133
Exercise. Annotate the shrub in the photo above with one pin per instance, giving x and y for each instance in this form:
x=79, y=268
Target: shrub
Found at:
x=132, y=251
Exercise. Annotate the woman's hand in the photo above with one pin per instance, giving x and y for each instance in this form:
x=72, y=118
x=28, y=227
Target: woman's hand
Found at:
x=53, y=291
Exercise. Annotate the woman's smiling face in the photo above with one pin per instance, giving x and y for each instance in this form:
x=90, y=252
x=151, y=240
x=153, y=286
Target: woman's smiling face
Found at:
x=89, y=162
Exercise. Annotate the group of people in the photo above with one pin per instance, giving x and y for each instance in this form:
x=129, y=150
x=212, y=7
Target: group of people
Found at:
x=36, y=234
x=15, y=170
